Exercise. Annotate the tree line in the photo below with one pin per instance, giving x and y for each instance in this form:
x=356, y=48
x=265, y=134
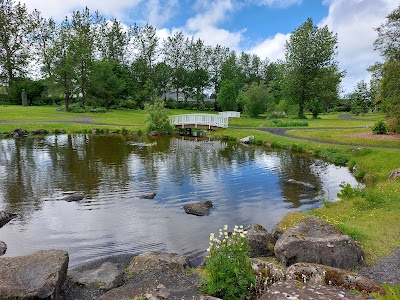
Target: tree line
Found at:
x=87, y=60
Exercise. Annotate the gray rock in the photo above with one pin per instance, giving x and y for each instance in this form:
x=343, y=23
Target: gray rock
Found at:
x=148, y=196
x=3, y=248
x=201, y=208
x=6, y=217
x=276, y=232
x=105, y=277
x=36, y=276
x=285, y=290
x=267, y=273
x=74, y=197
x=247, y=139
x=260, y=241
x=325, y=275
x=394, y=174
x=305, y=184
x=18, y=132
x=316, y=241
x=159, y=261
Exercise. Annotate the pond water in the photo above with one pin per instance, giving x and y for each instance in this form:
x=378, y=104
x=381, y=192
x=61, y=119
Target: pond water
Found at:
x=246, y=184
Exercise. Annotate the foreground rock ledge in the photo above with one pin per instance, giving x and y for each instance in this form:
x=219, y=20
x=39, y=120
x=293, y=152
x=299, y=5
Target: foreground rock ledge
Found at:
x=36, y=276
x=314, y=240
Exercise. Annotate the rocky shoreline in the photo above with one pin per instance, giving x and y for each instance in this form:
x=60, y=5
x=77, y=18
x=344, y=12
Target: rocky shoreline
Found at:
x=308, y=260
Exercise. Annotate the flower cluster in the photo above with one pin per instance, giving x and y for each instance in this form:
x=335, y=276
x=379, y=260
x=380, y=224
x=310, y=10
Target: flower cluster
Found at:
x=228, y=269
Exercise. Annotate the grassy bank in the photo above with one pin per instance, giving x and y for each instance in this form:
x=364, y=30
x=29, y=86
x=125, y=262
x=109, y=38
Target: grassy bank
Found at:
x=370, y=215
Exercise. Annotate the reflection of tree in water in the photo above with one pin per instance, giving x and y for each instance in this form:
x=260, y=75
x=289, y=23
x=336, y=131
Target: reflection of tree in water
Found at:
x=300, y=169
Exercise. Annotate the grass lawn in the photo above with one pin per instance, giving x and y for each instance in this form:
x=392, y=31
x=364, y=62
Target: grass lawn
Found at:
x=372, y=218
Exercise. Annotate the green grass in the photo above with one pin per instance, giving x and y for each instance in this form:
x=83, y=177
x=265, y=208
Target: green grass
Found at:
x=372, y=220
x=342, y=136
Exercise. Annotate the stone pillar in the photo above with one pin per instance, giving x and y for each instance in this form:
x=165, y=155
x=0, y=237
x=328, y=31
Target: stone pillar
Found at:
x=24, y=98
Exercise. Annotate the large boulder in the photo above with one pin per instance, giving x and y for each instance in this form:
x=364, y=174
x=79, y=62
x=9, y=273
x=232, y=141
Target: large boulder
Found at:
x=325, y=275
x=159, y=261
x=267, y=273
x=201, y=208
x=36, y=276
x=284, y=290
x=316, y=241
x=6, y=217
x=107, y=276
x=260, y=241
x=247, y=140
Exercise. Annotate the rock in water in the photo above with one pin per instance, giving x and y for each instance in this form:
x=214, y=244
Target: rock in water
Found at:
x=314, y=240
x=148, y=196
x=74, y=197
x=201, y=208
x=36, y=276
x=247, y=140
x=6, y=217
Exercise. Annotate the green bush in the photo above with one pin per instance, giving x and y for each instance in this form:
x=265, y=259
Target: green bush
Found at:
x=76, y=108
x=392, y=292
x=380, y=127
x=228, y=271
x=348, y=192
x=289, y=123
x=157, y=118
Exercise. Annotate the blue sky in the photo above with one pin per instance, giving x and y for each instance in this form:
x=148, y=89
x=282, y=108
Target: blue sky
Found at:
x=255, y=26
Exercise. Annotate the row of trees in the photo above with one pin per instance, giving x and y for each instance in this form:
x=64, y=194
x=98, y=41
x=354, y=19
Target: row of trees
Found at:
x=93, y=61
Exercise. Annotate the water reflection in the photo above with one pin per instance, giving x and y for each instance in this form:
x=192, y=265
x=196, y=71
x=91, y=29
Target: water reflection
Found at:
x=246, y=184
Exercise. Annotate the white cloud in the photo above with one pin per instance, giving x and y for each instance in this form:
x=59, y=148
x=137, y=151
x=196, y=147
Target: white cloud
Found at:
x=271, y=48
x=159, y=13
x=354, y=22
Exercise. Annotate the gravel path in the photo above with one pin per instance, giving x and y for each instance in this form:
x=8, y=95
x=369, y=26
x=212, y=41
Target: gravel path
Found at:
x=386, y=270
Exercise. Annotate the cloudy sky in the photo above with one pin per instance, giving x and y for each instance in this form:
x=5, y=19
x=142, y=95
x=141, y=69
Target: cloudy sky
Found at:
x=254, y=26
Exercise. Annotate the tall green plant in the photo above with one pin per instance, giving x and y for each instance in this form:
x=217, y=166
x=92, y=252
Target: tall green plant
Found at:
x=228, y=272
x=157, y=118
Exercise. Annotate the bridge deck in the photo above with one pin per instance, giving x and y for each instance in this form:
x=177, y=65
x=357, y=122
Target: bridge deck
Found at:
x=206, y=121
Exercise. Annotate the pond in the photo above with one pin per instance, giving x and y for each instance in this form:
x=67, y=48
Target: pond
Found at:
x=246, y=184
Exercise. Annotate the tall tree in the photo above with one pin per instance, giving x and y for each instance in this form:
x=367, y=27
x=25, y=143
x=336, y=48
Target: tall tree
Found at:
x=218, y=56
x=174, y=50
x=255, y=99
x=360, y=98
x=388, y=44
x=227, y=96
x=310, y=57
x=16, y=37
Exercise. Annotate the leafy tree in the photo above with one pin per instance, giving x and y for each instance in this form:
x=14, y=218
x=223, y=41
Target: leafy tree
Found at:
x=106, y=84
x=360, y=98
x=218, y=56
x=227, y=95
x=157, y=118
x=255, y=99
x=388, y=45
x=16, y=37
x=173, y=50
x=162, y=79
x=310, y=62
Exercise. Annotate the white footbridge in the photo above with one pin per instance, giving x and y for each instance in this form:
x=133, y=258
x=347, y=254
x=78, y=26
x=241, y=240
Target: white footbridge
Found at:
x=204, y=121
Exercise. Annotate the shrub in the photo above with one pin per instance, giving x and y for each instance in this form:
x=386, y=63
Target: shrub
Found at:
x=289, y=123
x=228, y=271
x=392, y=292
x=76, y=108
x=379, y=128
x=157, y=117
x=348, y=192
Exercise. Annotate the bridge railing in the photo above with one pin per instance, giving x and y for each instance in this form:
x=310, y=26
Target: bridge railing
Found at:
x=199, y=119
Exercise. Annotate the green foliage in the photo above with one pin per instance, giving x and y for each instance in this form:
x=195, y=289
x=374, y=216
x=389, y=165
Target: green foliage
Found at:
x=255, y=99
x=348, y=192
x=157, y=119
x=227, y=96
x=76, y=108
x=289, y=123
x=228, y=272
x=312, y=75
x=380, y=127
x=392, y=292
